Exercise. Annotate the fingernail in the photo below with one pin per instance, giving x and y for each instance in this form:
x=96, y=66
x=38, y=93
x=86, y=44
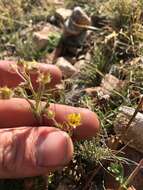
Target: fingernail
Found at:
x=55, y=149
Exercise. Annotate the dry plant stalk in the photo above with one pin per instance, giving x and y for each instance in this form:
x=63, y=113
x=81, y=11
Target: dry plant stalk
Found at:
x=132, y=175
x=135, y=113
x=118, y=140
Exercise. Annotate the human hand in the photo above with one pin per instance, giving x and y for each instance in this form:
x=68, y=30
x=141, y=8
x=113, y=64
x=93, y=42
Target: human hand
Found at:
x=27, y=149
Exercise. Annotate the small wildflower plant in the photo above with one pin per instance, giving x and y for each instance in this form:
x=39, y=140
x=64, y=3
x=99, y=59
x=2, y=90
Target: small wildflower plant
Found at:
x=40, y=105
x=23, y=69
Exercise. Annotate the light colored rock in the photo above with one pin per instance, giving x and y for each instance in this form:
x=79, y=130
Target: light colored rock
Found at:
x=97, y=91
x=66, y=67
x=80, y=64
x=111, y=83
x=41, y=38
x=134, y=135
x=63, y=14
x=72, y=60
x=108, y=85
x=83, y=61
x=99, y=96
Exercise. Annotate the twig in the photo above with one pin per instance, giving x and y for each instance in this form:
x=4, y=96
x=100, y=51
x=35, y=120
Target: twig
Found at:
x=132, y=175
x=135, y=113
x=116, y=144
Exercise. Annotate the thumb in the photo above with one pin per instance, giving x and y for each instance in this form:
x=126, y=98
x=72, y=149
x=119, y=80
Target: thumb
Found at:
x=27, y=151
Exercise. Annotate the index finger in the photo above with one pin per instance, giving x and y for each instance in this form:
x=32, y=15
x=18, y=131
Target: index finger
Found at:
x=9, y=77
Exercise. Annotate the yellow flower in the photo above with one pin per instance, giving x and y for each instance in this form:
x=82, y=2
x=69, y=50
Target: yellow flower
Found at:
x=44, y=78
x=6, y=93
x=74, y=119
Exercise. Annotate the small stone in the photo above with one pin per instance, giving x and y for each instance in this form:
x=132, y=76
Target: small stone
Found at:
x=66, y=67
x=80, y=64
x=71, y=59
x=111, y=83
x=99, y=96
x=97, y=91
x=63, y=14
x=41, y=38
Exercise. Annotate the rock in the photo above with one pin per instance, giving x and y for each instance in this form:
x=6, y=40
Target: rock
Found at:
x=134, y=135
x=97, y=91
x=41, y=38
x=111, y=83
x=83, y=60
x=80, y=64
x=99, y=97
x=66, y=67
x=71, y=59
x=108, y=85
x=63, y=14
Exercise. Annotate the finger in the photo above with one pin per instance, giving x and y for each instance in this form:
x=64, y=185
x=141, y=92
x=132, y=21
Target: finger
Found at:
x=8, y=76
x=16, y=112
x=26, y=151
